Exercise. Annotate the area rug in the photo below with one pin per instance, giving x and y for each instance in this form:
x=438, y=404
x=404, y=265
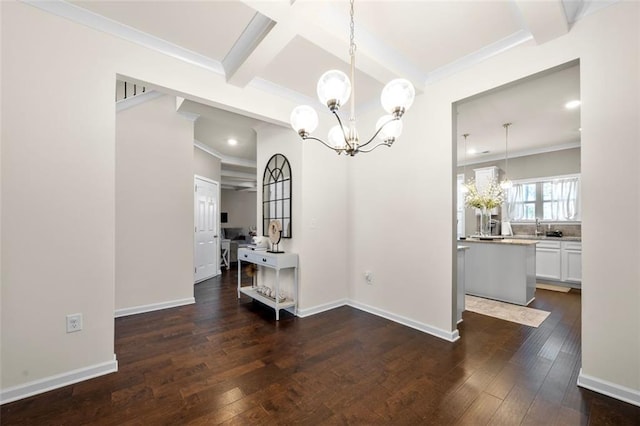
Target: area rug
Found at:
x=552, y=287
x=506, y=311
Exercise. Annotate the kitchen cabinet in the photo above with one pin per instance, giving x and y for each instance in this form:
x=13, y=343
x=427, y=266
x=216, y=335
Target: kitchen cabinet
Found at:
x=503, y=270
x=460, y=282
x=549, y=260
x=559, y=261
x=484, y=175
x=572, y=261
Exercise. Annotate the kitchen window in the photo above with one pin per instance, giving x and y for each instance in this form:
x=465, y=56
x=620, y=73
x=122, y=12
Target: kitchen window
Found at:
x=554, y=199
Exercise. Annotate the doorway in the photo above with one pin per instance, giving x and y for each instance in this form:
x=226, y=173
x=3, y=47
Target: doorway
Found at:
x=207, y=229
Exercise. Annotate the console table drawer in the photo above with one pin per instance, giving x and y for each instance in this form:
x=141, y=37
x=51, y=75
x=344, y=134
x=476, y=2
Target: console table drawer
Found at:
x=259, y=259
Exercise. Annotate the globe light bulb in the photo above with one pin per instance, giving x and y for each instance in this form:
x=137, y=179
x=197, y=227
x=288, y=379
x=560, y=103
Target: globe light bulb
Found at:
x=334, y=89
x=304, y=120
x=336, y=137
x=390, y=129
x=397, y=96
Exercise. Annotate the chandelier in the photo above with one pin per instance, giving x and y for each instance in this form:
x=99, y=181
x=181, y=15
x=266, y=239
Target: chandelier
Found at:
x=334, y=89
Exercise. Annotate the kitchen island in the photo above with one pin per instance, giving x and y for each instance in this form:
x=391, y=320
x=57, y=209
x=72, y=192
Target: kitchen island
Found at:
x=503, y=269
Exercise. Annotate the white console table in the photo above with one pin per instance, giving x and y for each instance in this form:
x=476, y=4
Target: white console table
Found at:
x=275, y=261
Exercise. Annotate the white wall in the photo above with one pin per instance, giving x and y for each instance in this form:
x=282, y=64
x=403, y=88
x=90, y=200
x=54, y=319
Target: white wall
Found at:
x=205, y=165
x=417, y=282
x=319, y=215
x=240, y=207
x=154, y=205
x=401, y=216
x=58, y=187
x=58, y=198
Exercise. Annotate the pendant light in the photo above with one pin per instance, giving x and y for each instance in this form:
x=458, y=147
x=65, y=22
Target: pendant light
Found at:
x=465, y=187
x=506, y=183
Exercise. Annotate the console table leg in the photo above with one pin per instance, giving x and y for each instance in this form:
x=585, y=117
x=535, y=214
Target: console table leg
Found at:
x=277, y=288
x=239, y=277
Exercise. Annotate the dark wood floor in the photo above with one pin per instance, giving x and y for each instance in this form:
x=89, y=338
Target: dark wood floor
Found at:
x=220, y=361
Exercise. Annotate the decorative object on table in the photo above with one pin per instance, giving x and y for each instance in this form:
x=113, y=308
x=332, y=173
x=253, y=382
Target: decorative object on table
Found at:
x=276, y=194
x=334, y=89
x=270, y=293
x=259, y=243
x=251, y=270
x=490, y=198
x=275, y=235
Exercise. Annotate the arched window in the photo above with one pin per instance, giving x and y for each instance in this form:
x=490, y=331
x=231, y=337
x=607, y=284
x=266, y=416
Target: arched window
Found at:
x=276, y=194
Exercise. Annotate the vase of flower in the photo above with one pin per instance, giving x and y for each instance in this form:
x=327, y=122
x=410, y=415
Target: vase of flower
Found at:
x=491, y=197
x=485, y=222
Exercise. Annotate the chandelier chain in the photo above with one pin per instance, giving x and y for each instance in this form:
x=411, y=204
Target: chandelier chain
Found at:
x=352, y=43
x=506, y=149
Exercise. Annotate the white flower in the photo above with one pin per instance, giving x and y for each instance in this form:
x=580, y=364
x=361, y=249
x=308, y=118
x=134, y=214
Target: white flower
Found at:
x=491, y=197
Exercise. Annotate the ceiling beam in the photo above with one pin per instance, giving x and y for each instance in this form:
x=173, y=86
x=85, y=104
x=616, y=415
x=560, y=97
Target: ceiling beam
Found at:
x=270, y=44
x=237, y=64
x=545, y=20
x=238, y=175
x=324, y=25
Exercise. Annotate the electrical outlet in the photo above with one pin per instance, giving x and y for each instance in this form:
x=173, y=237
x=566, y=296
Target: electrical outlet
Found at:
x=368, y=276
x=74, y=322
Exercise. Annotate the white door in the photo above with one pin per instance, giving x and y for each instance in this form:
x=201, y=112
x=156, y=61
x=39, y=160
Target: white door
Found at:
x=207, y=255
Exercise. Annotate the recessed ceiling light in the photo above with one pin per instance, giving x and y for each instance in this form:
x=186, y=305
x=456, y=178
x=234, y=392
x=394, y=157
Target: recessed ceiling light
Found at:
x=232, y=142
x=579, y=129
x=471, y=151
x=572, y=104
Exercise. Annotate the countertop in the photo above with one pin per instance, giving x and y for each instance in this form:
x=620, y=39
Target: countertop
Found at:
x=510, y=241
x=542, y=238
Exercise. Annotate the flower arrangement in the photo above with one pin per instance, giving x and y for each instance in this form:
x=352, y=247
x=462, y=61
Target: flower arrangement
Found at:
x=491, y=197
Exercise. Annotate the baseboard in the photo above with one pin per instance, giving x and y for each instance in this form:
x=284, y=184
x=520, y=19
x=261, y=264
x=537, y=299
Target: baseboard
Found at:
x=321, y=308
x=632, y=396
x=59, y=380
x=450, y=336
x=153, y=307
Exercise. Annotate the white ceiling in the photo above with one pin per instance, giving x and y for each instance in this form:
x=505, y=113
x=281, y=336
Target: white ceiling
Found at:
x=289, y=43
x=534, y=106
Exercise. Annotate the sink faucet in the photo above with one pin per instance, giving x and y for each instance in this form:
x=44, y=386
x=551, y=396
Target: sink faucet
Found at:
x=538, y=231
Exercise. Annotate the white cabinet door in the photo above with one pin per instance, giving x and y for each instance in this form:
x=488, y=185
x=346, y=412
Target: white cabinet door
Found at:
x=485, y=175
x=572, y=262
x=548, y=262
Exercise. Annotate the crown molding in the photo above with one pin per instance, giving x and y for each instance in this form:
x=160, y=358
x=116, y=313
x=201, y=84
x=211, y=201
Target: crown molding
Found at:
x=509, y=42
x=523, y=153
x=225, y=159
x=191, y=116
x=136, y=100
x=109, y=26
